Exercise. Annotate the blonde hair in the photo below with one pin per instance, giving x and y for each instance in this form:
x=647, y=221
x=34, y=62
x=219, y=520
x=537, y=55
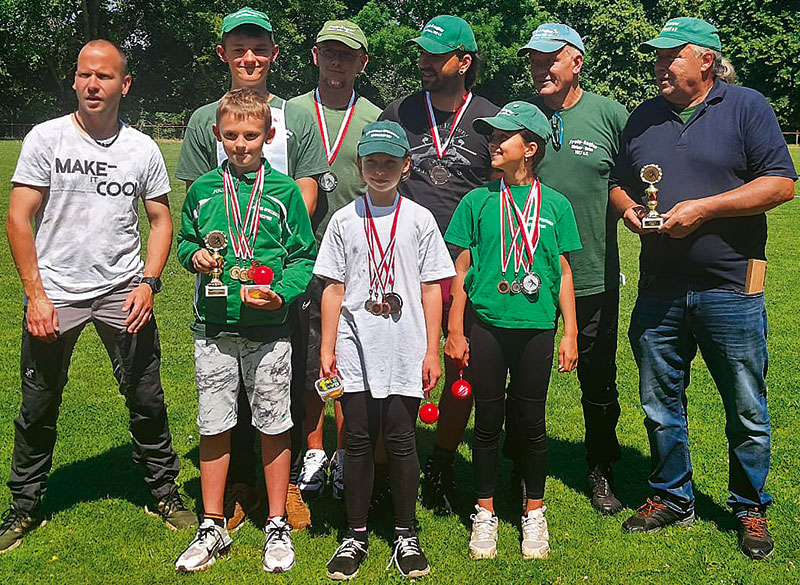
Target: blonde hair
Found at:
x=244, y=103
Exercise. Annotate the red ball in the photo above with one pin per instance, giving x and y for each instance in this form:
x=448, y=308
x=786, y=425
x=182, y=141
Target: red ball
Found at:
x=461, y=389
x=429, y=413
x=262, y=275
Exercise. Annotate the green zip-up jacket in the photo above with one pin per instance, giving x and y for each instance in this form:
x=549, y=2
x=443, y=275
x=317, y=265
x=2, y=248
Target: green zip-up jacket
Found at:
x=285, y=243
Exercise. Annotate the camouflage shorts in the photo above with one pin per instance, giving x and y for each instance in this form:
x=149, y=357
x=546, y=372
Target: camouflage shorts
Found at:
x=266, y=371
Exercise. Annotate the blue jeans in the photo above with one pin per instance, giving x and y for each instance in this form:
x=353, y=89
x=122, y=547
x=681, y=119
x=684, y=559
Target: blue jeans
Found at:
x=670, y=321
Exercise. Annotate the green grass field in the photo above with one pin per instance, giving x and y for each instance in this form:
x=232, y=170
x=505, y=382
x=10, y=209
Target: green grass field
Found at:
x=98, y=531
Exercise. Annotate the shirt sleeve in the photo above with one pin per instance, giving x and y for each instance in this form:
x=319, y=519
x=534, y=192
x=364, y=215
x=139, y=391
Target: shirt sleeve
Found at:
x=331, y=262
x=567, y=236
x=621, y=175
x=305, y=150
x=33, y=165
x=189, y=240
x=765, y=147
x=434, y=259
x=157, y=180
x=199, y=150
x=301, y=249
x=461, y=229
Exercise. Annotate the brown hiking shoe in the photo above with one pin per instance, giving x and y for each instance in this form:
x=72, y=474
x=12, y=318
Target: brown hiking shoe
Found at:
x=241, y=500
x=755, y=541
x=297, y=511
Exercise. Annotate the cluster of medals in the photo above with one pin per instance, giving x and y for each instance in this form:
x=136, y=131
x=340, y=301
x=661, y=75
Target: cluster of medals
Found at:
x=328, y=181
x=523, y=228
x=382, y=300
x=439, y=174
x=244, y=233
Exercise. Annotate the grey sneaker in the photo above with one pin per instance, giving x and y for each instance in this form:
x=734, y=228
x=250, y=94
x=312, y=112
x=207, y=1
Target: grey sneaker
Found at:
x=278, y=548
x=15, y=524
x=337, y=474
x=172, y=511
x=314, y=474
x=483, y=540
x=535, y=536
x=210, y=542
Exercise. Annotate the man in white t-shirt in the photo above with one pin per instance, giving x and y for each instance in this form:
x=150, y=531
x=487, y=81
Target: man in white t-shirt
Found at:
x=80, y=177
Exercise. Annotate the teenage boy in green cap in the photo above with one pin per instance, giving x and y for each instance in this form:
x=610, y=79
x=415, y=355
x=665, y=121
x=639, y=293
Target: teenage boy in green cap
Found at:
x=586, y=130
x=248, y=47
x=340, y=54
x=720, y=162
x=448, y=158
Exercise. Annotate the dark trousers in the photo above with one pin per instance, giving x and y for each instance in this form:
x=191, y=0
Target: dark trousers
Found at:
x=527, y=354
x=367, y=418
x=136, y=360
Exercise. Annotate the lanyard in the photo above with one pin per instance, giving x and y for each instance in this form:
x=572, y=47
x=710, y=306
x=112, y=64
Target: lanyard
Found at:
x=381, y=265
x=242, y=243
x=331, y=150
x=518, y=224
x=441, y=147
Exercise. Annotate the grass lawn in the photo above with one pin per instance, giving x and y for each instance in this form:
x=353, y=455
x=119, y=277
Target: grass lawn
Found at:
x=98, y=531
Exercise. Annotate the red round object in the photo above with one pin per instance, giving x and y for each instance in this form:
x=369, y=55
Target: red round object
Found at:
x=461, y=389
x=262, y=275
x=429, y=413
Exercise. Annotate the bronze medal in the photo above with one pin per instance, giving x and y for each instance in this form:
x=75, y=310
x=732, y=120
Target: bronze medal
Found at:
x=439, y=175
x=386, y=309
x=376, y=308
x=394, y=301
x=234, y=272
x=503, y=287
x=516, y=287
x=368, y=305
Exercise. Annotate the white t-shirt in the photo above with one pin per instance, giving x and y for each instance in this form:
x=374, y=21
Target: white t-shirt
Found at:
x=87, y=228
x=383, y=355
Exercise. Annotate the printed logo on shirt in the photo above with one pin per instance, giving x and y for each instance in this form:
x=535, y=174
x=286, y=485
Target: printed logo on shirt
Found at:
x=543, y=223
x=582, y=147
x=96, y=170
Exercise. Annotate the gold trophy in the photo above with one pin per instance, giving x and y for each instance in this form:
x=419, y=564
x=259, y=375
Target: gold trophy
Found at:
x=651, y=174
x=216, y=241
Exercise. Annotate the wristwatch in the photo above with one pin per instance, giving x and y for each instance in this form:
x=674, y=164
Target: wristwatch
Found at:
x=154, y=282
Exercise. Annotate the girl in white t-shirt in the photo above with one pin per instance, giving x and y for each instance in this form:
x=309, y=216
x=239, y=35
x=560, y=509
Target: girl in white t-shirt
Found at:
x=382, y=257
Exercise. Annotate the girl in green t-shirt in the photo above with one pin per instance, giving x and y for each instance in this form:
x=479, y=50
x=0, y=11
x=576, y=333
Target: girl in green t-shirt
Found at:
x=512, y=277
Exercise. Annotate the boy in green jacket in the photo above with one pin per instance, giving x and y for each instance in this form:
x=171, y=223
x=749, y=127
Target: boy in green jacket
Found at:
x=246, y=233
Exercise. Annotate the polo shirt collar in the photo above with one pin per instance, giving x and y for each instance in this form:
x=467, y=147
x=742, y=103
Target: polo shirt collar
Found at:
x=715, y=96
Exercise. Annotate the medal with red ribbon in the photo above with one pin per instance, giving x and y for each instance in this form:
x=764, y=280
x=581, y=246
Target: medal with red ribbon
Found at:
x=382, y=300
x=328, y=181
x=243, y=233
x=522, y=224
x=439, y=174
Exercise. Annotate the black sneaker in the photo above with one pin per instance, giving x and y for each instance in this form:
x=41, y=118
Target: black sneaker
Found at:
x=172, y=511
x=438, y=484
x=408, y=556
x=603, y=498
x=655, y=515
x=15, y=524
x=755, y=541
x=348, y=557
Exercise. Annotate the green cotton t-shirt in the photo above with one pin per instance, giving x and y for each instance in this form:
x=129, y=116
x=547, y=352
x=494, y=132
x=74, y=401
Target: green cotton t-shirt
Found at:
x=350, y=184
x=285, y=243
x=305, y=154
x=476, y=225
x=580, y=170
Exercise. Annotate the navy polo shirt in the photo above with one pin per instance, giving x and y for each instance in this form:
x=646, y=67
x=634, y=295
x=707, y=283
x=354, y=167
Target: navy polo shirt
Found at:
x=732, y=138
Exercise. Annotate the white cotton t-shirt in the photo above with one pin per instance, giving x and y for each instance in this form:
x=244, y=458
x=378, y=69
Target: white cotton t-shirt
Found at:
x=383, y=355
x=87, y=228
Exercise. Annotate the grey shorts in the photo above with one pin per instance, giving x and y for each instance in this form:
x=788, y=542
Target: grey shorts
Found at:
x=265, y=370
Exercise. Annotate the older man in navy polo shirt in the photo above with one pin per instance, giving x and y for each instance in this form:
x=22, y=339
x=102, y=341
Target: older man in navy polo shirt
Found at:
x=723, y=164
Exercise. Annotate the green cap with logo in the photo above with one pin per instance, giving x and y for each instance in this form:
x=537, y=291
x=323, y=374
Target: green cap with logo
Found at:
x=386, y=137
x=343, y=31
x=246, y=15
x=446, y=33
x=515, y=116
x=683, y=30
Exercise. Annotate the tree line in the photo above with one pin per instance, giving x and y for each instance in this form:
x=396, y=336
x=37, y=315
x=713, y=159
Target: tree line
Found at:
x=170, y=46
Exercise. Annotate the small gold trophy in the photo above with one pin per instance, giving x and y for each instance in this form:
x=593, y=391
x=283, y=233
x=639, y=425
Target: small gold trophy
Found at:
x=216, y=241
x=651, y=174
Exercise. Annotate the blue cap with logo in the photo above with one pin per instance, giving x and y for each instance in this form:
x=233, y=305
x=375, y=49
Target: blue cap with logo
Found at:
x=551, y=37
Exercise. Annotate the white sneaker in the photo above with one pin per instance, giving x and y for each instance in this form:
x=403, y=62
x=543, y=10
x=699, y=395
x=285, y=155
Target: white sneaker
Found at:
x=483, y=541
x=314, y=473
x=535, y=537
x=278, y=548
x=210, y=542
x=337, y=474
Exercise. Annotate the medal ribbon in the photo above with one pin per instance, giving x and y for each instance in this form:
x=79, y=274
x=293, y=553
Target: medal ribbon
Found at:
x=381, y=265
x=530, y=236
x=331, y=150
x=441, y=147
x=242, y=243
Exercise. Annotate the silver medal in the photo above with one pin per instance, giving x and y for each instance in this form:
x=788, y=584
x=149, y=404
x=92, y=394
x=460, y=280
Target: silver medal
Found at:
x=328, y=181
x=531, y=283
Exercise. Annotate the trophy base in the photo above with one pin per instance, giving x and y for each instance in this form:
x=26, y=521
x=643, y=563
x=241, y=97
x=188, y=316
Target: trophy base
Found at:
x=216, y=290
x=652, y=223
x=255, y=290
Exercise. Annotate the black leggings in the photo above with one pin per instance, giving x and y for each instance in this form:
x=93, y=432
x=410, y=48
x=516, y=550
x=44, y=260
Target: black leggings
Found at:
x=528, y=355
x=395, y=417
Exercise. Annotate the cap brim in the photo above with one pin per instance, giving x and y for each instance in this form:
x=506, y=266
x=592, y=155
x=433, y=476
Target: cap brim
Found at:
x=431, y=46
x=352, y=43
x=661, y=43
x=543, y=46
x=488, y=125
x=379, y=146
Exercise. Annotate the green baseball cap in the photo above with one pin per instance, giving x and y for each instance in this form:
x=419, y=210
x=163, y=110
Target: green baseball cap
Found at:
x=343, y=31
x=446, y=33
x=385, y=137
x=551, y=37
x=246, y=15
x=683, y=30
x=515, y=116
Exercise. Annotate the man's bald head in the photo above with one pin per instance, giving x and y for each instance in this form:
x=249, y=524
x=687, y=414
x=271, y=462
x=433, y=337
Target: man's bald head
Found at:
x=103, y=45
